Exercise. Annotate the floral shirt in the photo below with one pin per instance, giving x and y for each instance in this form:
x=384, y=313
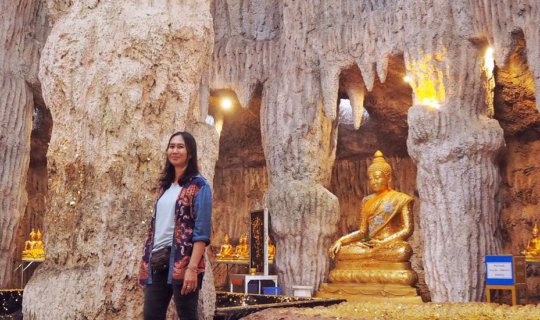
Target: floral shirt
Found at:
x=193, y=222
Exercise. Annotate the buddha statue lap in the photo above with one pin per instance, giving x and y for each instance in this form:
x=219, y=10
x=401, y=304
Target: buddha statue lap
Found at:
x=375, y=258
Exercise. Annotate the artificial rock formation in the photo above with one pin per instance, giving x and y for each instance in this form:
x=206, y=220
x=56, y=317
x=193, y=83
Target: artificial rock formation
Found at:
x=456, y=159
x=23, y=29
x=118, y=79
x=515, y=109
x=307, y=46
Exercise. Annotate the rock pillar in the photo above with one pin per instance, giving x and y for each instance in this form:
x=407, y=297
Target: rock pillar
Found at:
x=119, y=79
x=455, y=142
x=299, y=141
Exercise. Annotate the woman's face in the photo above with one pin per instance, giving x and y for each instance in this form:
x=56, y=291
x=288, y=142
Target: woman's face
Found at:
x=378, y=181
x=177, y=153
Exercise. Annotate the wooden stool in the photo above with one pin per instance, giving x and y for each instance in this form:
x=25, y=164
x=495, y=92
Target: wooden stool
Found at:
x=515, y=290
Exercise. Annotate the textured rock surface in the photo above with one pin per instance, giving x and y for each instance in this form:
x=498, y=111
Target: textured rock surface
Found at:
x=515, y=108
x=458, y=182
x=22, y=33
x=118, y=80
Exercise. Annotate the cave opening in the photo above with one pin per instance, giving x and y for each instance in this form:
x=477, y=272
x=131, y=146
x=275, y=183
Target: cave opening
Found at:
x=36, y=188
x=515, y=109
x=383, y=127
x=241, y=178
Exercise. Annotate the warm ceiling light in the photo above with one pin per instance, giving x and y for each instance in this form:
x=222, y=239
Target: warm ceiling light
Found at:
x=430, y=102
x=226, y=103
x=489, y=60
x=407, y=79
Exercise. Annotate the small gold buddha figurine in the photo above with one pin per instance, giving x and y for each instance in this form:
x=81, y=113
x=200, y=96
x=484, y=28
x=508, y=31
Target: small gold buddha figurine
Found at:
x=271, y=250
x=29, y=245
x=242, y=249
x=532, y=253
x=33, y=248
x=375, y=258
x=226, y=250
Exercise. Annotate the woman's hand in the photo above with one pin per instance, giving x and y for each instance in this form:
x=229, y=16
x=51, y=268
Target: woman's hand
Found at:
x=190, y=281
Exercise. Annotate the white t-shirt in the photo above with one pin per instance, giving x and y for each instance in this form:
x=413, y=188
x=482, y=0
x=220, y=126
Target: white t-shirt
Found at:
x=164, y=227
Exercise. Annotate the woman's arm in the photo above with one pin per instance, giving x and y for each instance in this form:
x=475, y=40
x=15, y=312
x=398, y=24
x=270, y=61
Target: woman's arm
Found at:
x=202, y=210
x=190, y=277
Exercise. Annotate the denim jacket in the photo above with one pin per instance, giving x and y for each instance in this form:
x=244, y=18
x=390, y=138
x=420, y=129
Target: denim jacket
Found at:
x=193, y=222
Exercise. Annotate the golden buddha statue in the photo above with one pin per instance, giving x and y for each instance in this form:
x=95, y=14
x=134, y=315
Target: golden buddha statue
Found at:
x=532, y=253
x=226, y=250
x=271, y=250
x=33, y=248
x=242, y=249
x=375, y=258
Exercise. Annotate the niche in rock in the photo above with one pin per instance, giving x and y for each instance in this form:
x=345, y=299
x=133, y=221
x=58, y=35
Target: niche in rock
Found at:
x=517, y=113
x=241, y=178
x=383, y=127
x=36, y=186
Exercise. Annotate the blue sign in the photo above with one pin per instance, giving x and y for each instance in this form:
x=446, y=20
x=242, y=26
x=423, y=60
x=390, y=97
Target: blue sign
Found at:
x=500, y=270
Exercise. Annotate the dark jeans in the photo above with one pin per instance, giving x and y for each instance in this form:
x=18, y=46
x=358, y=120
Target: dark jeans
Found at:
x=158, y=295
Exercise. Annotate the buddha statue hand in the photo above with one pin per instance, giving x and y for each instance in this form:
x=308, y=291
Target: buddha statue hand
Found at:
x=352, y=237
x=334, y=249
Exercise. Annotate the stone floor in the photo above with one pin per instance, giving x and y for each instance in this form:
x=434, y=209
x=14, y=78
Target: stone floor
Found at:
x=383, y=311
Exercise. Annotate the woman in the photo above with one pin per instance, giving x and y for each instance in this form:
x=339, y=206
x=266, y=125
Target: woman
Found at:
x=173, y=261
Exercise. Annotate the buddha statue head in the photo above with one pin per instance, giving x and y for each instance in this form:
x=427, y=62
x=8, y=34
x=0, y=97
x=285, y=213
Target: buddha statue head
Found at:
x=379, y=173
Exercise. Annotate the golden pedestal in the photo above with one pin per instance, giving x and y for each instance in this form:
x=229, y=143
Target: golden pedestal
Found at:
x=369, y=292
x=370, y=271
x=374, y=281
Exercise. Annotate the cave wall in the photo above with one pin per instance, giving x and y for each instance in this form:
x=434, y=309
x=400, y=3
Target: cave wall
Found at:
x=36, y=187
x=238, y=191
x=515, y=109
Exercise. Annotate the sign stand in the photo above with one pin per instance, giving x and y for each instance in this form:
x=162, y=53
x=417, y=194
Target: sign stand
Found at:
x=506, y=273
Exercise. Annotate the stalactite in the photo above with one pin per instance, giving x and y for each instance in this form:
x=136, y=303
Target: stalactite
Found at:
x=118, y=80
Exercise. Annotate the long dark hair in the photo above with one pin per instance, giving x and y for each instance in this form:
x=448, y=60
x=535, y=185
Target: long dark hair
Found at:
x=168, y=173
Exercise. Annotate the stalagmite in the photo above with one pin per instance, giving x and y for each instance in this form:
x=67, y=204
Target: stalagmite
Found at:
x=455, y=148
x=119, y=80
